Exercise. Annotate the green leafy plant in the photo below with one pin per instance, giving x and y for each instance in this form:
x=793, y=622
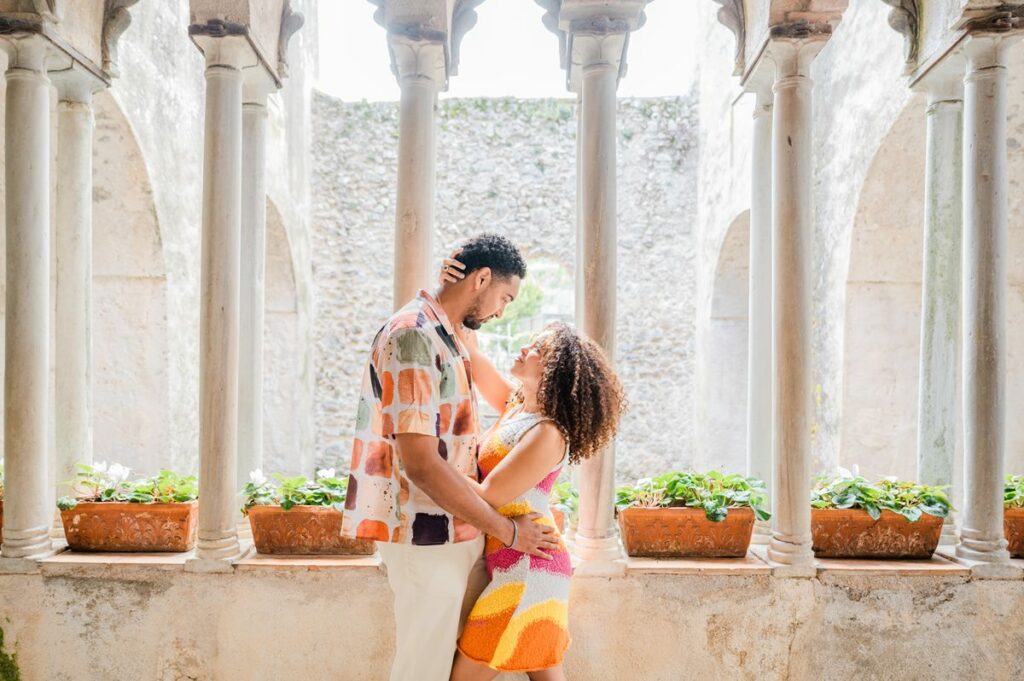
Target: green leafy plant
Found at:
x=326, y=489
x=565, y=498
x=909, y=499
x=1013, y=493
x=98, y=482
x=715, y=492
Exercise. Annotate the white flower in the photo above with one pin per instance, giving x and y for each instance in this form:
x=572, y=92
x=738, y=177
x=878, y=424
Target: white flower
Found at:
x=100, y=466
x=118, y=473
x=256, y=477
x=325, y=473
x=847, y=474
x=891, y=478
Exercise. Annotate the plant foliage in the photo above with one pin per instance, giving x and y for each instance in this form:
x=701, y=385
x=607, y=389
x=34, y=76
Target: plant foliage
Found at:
x=98, y=482
x=715, y=492
x=909, y=499
x=326, y=489
x=1013, y=496
x=565, y=498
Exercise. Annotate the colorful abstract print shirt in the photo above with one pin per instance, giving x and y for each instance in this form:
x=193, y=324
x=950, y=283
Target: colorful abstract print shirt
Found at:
x=418, y=380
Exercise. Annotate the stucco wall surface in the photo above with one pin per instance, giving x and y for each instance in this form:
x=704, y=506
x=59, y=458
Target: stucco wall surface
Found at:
x=129, y=623
x=509, y=166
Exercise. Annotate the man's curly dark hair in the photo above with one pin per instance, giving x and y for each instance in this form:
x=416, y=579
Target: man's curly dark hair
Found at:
x=493, y=251
x=579, y=391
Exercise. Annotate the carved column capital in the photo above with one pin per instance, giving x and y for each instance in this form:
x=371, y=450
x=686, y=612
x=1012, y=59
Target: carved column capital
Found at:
x=291, y=22
x=905, y=19
x=116, y=19
x=731, y=15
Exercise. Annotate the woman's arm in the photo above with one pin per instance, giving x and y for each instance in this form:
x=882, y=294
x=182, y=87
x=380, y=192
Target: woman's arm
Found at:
x=529, y=462
x=495, y=388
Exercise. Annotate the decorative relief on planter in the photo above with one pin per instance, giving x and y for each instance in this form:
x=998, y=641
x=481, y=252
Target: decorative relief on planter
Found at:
x=1013, y=526
x=685, y=532
x=852, y=533
x=303, y=530
x=117, y=526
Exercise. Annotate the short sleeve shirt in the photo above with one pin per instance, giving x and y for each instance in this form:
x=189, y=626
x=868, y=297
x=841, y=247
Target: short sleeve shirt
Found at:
x=418, y=380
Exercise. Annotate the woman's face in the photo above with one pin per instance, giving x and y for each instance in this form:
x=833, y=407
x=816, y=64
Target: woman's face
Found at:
x=528, y=367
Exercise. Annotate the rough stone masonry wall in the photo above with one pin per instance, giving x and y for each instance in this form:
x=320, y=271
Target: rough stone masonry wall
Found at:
x=509, y=166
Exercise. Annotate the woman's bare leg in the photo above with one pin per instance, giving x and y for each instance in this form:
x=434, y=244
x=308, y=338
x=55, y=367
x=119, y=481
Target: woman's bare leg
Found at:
x=552, y=674
x=466, y=669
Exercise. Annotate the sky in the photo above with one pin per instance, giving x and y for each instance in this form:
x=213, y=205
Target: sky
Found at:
x=508, y=53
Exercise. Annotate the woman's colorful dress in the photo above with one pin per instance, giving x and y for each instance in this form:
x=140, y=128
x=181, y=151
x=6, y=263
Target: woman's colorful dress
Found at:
x=521, y=620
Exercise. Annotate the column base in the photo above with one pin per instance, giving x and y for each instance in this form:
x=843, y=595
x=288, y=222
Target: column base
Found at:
x=762, y=533
x=33, y=544
x=982, y=547
x=599, y=557
x=791, y=559
x=215, y=555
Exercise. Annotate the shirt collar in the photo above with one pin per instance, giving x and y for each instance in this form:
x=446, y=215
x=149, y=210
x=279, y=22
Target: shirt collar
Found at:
x=439, y=312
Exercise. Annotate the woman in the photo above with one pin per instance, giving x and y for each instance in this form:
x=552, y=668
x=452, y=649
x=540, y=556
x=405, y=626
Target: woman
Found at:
x=564, y=408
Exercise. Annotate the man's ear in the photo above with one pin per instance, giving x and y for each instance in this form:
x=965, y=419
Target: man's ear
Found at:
x=481, y=278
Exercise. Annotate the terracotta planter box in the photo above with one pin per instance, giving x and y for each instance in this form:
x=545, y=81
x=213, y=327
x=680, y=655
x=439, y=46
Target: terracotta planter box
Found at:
x=851, y=533
x=1013, y=525
x=303, y=531
x=117, y=526
x=685, y=532
x=559, y=517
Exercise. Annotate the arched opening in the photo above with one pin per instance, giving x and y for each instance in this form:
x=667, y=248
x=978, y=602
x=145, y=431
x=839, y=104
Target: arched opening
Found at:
x=131, y=409
x=882, y=324
x=282, y=358
x=726, y=386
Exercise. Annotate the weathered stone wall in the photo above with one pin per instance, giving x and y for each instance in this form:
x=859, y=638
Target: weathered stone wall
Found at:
x=148, y=623
x=509, y=166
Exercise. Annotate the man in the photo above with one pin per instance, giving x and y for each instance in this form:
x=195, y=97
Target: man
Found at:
x=415, y=448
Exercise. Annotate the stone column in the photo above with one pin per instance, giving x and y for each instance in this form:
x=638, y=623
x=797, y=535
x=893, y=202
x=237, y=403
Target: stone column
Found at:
x=759, y=350
x=420, y=68
x=219, y=300
x=73, y=237
x=792, y=226
x=28, y=512
x=940, y=294
x=596, y=540
x=984, y=298
x=253, y=266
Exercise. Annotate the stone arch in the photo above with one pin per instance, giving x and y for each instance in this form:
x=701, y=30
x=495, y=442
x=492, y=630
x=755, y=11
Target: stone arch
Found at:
x=882, y=321
x=726, y=381
x=131, y=394
x=282, y=357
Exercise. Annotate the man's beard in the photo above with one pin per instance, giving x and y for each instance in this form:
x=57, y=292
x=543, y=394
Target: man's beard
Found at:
x=472, y=319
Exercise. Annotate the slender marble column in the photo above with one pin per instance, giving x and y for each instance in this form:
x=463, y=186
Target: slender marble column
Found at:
x=253, y=266
x=984, y=298
x=792, y=225
x=420, y=78
x=219, y=298
x=759, y=350
x=27, y=493
x=940, y=295
x=596, y=542
x=73, y=237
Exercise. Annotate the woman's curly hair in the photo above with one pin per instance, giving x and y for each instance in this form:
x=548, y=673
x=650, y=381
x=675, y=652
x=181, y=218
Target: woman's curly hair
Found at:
x=579, y=391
